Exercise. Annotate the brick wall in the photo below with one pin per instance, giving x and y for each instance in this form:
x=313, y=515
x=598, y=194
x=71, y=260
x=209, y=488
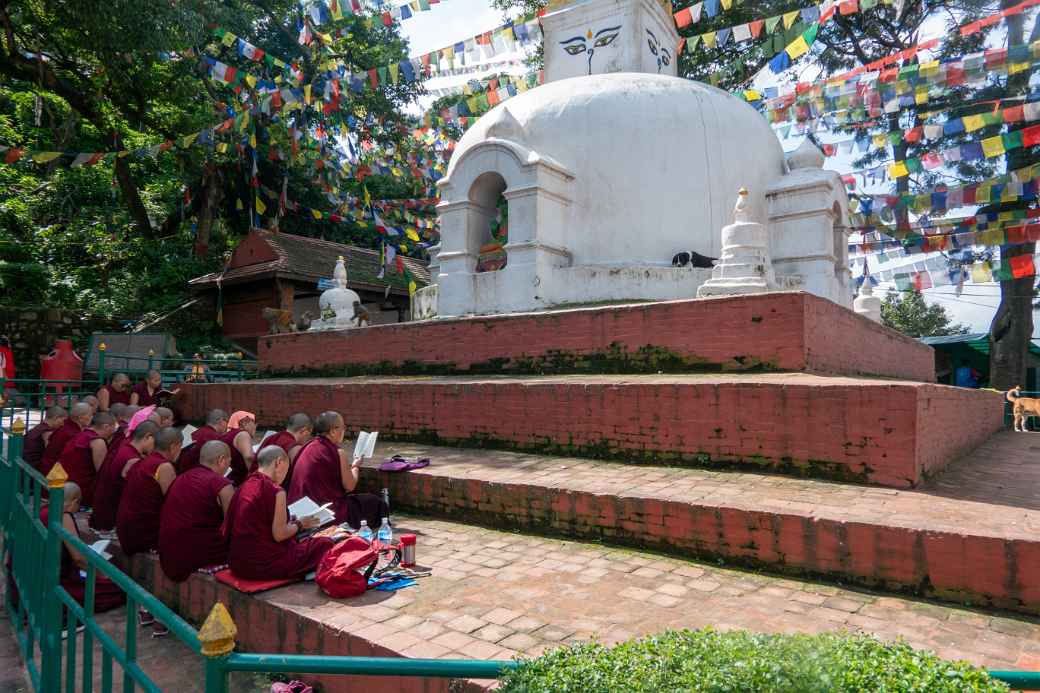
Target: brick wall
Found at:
x=791, y=331
x=867, y=430
x=958, y=566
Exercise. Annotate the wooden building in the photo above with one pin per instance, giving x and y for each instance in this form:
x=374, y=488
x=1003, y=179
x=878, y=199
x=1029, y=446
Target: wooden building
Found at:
x=279, y=270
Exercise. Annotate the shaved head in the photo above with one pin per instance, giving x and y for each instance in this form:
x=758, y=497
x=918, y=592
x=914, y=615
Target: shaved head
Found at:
x=118, y=410
x=154, y=374
x=167, y=439
x=120, y=378
x=298, y=422
x=145, y=429
x=269, y=456
x=53, y=413
x=102, y=418
x=327, y=421
x=163, y=412
x=81, y=410
x=131, y=409
x=92, y=401
x=73, y=493
x=215, y=416
x=212, y=451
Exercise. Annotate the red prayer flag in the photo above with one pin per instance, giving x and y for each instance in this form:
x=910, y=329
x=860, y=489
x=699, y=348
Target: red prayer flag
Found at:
x=683, y=18
x=849, y=7
x=756, y=27
x=387, y=19
x=1031, y=135
x=373, y=78
x=922, y=280
x=1014, y=114
x=1032, y=232
x=914, y=134
x=13, y=155
x=1022, y=266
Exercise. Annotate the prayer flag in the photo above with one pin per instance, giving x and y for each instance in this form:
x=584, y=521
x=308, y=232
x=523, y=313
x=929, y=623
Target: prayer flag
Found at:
x=993, y=146
x=1022, y=266
x=260, y=206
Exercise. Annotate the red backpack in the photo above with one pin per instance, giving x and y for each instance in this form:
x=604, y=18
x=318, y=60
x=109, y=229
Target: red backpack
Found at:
x=338, y=574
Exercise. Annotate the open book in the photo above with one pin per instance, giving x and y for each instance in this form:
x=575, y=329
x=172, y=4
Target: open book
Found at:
x=256, y=446
x=101, y=547
x=186, y=435
x=365, y=446
x=305, y=507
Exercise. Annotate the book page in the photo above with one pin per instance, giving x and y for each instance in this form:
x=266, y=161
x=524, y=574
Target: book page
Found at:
x=256, y=446
x=370, y=445
x=305, y=507
x=101, y=547
x=365, y=446
x=186, y=435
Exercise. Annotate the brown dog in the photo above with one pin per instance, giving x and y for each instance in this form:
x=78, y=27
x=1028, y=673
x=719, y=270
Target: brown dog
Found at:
x=1022, y=407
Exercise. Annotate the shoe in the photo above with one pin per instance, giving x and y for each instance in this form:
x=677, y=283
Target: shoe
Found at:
x=144, y=618
x=160, y=630
x=79, y=629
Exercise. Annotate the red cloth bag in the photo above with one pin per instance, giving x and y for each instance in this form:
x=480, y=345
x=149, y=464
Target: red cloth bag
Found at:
x=338, y=572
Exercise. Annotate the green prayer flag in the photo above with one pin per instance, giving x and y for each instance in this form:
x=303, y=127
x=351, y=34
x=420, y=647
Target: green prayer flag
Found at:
x=1002, y=273
x=771, y=23
x=1012, y=140
x=913, y=165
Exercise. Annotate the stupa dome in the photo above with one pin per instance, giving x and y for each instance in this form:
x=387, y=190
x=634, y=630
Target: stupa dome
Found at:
x=656, y=160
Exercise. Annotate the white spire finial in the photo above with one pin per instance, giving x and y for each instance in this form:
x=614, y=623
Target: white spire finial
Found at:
x=740, y=210
x=339, y=275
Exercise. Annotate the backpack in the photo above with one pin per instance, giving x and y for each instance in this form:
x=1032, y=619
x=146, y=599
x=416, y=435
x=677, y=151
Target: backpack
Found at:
x=338, y=574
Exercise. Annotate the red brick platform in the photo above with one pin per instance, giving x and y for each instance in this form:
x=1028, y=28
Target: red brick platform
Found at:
x=789, y=331
x=498, y=595
x=886, y=432
x=968, y=551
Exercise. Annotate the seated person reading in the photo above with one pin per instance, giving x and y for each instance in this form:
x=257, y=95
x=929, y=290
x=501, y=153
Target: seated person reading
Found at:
x=150, y=391
x=35, y=441
x=297, y=431
x=239, y=437
x=325, y=473
x=191, y=523
x=137, y=521
x=262, y=537
x=216, y=425
x=84, y=454
x=79, y=418
x=107, y=595
x=116, y=391
x=112, y=478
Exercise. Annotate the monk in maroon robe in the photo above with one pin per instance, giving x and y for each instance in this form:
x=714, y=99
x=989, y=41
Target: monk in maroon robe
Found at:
x=297, y=431
x=162, y=416
x=137, y=522
x=261, y=536
x=116, y=391
x=191, y=525
x=79, y=418
x=112, y=477
x=239, y=437
x=84, y=454
x=107, y=595
x=35, y=441
x=215, y=426
x=325, y=473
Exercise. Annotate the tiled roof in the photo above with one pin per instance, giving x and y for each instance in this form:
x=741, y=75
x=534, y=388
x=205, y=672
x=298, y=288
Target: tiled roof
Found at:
x=310, y=259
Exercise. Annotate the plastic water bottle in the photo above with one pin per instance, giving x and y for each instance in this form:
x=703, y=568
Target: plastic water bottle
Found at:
x=364, y=532
x=385, y=535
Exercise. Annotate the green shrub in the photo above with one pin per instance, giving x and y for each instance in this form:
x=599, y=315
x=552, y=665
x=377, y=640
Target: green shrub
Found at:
x=735, y=661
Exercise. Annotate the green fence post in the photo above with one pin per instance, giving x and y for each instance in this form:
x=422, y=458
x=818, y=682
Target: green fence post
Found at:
x=151, y=359
x=50, y=645
x=8, y=486
x=101, y=348
x=217, y=636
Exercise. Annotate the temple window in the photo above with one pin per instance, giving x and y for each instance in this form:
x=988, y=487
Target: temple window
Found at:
x=491, y=221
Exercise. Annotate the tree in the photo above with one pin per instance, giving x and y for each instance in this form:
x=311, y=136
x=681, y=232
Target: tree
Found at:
x=908, y=313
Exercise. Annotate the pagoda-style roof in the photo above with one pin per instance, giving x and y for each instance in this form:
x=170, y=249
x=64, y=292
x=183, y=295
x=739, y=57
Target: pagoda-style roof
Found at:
x=269, y=254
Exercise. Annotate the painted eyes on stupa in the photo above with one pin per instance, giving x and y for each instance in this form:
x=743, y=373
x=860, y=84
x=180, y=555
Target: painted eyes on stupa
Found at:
x=606, y=39
x=579, y=44
x=574, y=48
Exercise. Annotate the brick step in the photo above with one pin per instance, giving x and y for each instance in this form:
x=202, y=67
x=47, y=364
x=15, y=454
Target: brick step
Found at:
x=496, y=595
x=927, y=542
x=878, y=431
x=785, y=331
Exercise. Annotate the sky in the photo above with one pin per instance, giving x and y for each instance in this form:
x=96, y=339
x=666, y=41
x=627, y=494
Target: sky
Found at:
x=451, y=21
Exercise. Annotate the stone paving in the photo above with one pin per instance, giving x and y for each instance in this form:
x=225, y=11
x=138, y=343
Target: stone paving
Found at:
x=498, y=595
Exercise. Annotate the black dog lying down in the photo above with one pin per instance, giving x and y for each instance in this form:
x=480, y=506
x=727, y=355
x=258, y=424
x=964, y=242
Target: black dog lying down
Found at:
x=689, y=257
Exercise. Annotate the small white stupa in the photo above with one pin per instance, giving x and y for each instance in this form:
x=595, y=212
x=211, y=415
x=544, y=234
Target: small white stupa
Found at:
x=866, y=303
x=745, y=266
x=337, y=305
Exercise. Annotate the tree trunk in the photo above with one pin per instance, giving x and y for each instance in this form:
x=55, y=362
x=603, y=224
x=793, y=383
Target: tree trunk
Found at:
x=211, y=192
x=132, y=197
x=1012, y=326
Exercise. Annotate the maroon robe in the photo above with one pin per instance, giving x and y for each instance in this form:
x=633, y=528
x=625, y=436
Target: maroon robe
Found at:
x=137, y=522
x=191, y=525
x=190, y=455
x=239, y=469
x=144, y=397
x=78, y=460
x=56, y=445
x=110, y=485
x=317, y=475
x=253, y=553
x=115, y=396
x=286, y=441
x=34, y=444
x=107, y=594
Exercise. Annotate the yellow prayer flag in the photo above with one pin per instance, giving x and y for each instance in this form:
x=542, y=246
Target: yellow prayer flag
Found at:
x=898, y=170
x=412, y=287
x=921, y=96
x=412, y=234
x=990, y=237
x=44, y=157
x=316, y=214
x=790, y=18
x=993, y=146
x=982, y=193
x=307, y=94
x=228, y=39
x=727, y=4
x=395, y=71
x=1015, y=68
x=260, y=206
x=252, y=141
x=709, y=39
x=473, y=104
x=250, y=80
x=221, y=147
x=187, y=140
x=797, y=48
x=972, y=122
x=980, y=273
x=879, y=141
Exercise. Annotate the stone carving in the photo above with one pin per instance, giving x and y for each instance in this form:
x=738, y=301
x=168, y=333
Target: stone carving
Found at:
x=745, y=266
x=337, y=305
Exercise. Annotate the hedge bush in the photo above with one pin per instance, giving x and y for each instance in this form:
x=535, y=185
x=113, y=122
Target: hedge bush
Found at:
x=707, y=660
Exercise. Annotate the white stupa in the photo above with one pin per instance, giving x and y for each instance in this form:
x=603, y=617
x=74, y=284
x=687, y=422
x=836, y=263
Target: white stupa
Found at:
x=337, y=304
x=613, y=167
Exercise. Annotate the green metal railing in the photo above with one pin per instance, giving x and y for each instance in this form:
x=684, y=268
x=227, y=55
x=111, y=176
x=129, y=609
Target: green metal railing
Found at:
x=174, y=369
x=32, y=552
x=29, y=397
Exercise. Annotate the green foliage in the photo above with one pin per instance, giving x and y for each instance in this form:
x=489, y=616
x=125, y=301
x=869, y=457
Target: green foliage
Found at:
x=740, y=661
x=908, y=313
